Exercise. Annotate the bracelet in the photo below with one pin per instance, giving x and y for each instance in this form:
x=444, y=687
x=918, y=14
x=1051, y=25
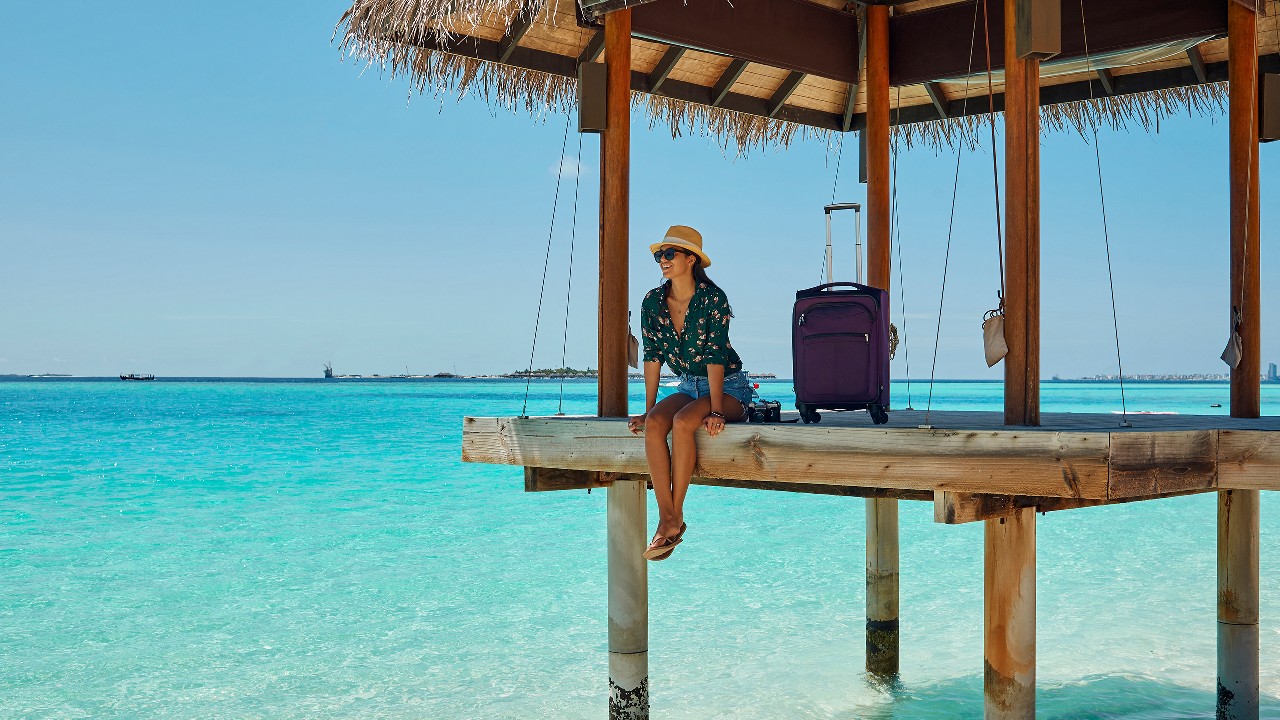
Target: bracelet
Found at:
x=713, y=413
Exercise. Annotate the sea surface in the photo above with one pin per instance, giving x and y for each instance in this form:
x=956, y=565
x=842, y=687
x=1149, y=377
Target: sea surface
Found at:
x=316, y=549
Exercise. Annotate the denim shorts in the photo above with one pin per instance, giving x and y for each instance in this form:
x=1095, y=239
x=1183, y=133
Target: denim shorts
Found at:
x=736, y=385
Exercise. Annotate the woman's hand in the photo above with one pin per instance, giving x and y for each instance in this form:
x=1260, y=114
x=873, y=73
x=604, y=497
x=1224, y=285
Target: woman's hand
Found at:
x=714, y=424
x=636, y=423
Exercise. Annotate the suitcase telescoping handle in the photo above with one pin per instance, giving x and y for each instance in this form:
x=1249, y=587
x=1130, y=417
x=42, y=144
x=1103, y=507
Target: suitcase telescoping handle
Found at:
x=857, y=230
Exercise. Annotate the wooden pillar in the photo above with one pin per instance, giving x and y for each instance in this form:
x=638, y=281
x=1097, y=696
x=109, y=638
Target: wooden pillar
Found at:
x=1022, y=228
x=882, y=514
x=1009, y=628
x=1238, y=510
x=627, y=526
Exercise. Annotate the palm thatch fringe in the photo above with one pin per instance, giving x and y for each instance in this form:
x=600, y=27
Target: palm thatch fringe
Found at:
x=1116, y=112
x=369, y=32
x=375, y=24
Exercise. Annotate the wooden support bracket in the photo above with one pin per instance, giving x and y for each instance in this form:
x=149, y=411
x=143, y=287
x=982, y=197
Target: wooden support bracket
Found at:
x=1197, y=64
x=594, y=47
x=664, y=67
x=511, y=38
x=1108, y=82
x=783, y=92
x=939, y=100
x=726, y=81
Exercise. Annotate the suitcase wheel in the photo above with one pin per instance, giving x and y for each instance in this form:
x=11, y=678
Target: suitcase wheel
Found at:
x=807, y=414
x=879, y=415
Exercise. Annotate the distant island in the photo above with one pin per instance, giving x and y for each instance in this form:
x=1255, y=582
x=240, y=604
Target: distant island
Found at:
x=562, y=373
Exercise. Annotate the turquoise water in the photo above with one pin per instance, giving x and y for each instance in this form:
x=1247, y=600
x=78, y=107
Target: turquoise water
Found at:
x=312, y=549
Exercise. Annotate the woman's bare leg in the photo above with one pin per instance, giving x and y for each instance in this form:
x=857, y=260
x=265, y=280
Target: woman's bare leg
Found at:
x=684, y=449
x=657, y=426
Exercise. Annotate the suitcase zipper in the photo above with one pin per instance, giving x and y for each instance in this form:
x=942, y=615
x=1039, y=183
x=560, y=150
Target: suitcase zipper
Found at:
x=800, y=320
x=866, y=337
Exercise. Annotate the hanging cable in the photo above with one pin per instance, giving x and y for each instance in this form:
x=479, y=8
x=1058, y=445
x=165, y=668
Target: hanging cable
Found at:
x=951, y=221
x=897, y=239
x=546, y=261
x=568, y=293
x=1106, y=235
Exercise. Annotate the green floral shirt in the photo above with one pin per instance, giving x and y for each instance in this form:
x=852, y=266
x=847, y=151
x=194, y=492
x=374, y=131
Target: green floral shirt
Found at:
x=705, y=340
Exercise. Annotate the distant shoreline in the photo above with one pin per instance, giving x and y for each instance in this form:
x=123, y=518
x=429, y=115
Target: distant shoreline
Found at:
x=578, y=379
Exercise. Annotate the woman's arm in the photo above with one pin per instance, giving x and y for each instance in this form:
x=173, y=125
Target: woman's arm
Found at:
x=652, y=374
x=715, y=381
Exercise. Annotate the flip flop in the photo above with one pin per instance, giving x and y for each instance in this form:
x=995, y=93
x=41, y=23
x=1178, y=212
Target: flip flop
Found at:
x=663, y=551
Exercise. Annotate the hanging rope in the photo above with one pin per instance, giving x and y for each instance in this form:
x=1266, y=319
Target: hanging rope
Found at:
x=897, y=239
x=546, y=261
x=951, y=221
x=1106, y=235
x=568, y=293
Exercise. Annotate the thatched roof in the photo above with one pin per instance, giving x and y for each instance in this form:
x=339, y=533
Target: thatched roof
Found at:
x=524, y=55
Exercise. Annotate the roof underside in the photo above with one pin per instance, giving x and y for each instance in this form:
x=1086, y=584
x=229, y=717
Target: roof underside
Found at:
x=761, y=71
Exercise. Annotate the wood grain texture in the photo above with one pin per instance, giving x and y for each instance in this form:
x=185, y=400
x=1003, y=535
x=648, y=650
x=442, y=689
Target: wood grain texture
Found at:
x=1152, y=463
x=1013, y=461
x=1248, y=460
x=615, y=213
x=1242, y=99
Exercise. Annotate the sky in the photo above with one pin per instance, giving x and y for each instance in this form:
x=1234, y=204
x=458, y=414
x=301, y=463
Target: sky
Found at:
x=212, y=190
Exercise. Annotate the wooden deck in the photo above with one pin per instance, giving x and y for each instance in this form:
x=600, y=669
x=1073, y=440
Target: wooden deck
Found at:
x=1085, y=459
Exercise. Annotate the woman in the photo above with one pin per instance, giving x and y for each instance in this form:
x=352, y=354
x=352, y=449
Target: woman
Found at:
x=685, y=324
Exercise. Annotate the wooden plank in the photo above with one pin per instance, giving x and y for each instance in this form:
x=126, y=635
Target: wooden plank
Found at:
x=726, y=81
x=1012, y=461
x=553, y=479
x=1152, y=463
x=664, y=68
x=1197, y=64
x=937, y=97
x=783, y=92
x=1248, y=460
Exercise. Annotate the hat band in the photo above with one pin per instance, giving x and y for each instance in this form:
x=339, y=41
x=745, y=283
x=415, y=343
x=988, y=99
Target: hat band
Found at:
x=669, y=240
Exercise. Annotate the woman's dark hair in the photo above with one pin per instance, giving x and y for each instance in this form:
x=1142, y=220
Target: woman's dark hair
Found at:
x=700, y=277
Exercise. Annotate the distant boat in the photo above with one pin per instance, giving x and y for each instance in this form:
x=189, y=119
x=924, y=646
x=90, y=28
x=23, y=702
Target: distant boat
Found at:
x=136, y=376
x=328, y=371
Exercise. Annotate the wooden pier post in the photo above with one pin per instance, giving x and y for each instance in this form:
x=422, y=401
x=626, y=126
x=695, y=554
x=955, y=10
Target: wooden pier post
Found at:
x=1009, y=623
x=627, y=525
x=882, y=514
x=1009, y=628
x=1238, y=510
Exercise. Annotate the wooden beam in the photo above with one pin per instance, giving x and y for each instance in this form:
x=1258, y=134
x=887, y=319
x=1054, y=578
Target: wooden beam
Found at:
x=1042, y=463
x=1238, y=604
x=883, y=634
x=1108, y=84
x=939, y=99
x=1009, y=617
x=540, y=479
x=791, y=34
x=664, y=67
x=1238, y=510
x=784, y=91
x=726, y=81
x=1147, y=464
x=520, y=25
x=594, y=47
x=846, y=120
x=1197, y=64
x=1243, y=130
x=1022, y=231
x=953, y=508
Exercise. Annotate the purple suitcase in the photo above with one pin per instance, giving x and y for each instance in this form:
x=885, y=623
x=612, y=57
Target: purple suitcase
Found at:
x=840, y=350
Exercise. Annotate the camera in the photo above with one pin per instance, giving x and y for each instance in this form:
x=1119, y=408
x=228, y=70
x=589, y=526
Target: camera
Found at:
x=763, y=411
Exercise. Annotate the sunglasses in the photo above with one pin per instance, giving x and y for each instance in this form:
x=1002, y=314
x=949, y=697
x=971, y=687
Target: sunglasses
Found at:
x=668, y=254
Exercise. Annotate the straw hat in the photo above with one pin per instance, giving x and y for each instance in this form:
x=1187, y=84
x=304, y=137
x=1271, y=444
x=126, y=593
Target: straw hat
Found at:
x=683, y=236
